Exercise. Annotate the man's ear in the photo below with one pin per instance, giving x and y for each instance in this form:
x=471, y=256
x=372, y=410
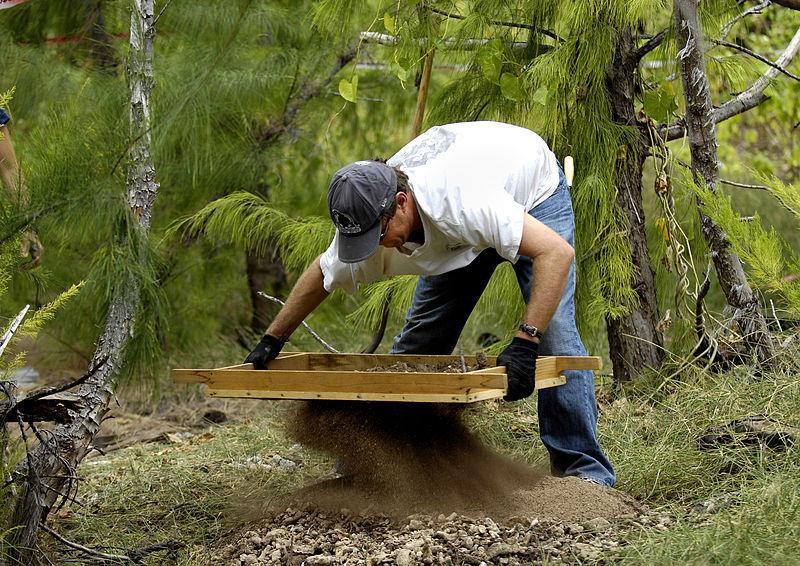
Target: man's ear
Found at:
x=401, y=198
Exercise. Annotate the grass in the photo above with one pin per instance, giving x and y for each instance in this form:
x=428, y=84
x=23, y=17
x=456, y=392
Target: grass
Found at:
x=203, y=490
x=198, y=491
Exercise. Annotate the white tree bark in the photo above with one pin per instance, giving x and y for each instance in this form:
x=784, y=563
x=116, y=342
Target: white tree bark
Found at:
x=51, y=464
x=701, y=131
x=746, y=100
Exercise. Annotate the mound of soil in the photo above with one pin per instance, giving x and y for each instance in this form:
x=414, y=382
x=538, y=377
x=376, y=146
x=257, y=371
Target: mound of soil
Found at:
x=468, y=504
x=401, y=458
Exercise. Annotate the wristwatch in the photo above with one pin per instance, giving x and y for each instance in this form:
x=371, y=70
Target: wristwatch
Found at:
x=531, y=331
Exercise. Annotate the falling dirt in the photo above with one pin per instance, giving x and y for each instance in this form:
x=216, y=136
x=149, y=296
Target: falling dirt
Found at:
x=420, y=488
x=401, y=458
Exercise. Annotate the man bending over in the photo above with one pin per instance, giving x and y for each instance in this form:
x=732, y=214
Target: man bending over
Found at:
x=451, y=206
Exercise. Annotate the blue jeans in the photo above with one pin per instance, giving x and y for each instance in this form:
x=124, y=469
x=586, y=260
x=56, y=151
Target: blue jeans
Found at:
x=567, y=414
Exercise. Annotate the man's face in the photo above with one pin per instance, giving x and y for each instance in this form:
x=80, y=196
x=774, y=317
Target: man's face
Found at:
x=397, y=230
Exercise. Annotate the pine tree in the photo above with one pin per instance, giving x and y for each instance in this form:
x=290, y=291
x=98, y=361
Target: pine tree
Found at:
x=49, y=467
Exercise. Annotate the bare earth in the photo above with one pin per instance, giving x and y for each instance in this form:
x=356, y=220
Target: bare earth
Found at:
x=419, y=488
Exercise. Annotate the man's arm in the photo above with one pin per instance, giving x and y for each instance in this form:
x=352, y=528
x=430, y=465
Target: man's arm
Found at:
x=552, y=256
x=306, y=295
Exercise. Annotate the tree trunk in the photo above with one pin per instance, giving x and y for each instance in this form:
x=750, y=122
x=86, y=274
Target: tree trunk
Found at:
x=701, y=131
x=634, y=341
x=50, y=468
x=99, y=42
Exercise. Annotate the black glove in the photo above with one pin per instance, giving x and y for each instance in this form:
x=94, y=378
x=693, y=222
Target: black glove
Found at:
x=519, y=357
x=265, y=351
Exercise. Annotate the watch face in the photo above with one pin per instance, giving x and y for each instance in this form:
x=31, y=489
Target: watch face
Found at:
x=530, y=330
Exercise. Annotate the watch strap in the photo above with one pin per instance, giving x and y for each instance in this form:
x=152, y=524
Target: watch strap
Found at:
x=531, y=331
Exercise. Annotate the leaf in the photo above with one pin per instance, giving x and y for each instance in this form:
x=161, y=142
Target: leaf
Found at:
x=401, y=73
x=661, y=224
x=349, y=89
x=660, y=104
x=511, y=87
x=540, y=96
x=389, y=23
x=401, y=67
x=490, y=62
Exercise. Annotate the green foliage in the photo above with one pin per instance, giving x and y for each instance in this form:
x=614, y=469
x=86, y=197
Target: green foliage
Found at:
x=766, y=255
x=660, y=104
x=11, y=448
x=397, y=290
x=228, y=72
x=249, y=222
x=349, y=89
x=757, y=529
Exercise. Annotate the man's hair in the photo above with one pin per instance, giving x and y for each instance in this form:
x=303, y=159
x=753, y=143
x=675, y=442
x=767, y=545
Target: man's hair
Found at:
x=402, y=186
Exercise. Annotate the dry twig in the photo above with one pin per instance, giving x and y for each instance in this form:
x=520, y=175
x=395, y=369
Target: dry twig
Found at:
x=306, y=326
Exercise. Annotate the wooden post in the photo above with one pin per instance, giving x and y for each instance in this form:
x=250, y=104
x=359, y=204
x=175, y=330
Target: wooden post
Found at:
x=422, y=94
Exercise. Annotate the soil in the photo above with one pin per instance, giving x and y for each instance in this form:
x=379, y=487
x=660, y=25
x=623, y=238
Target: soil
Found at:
x=419, y=488
x=401, y=458
x=441, y=367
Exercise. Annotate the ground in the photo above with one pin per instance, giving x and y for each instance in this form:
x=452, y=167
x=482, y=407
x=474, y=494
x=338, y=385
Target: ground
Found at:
x=229, y=480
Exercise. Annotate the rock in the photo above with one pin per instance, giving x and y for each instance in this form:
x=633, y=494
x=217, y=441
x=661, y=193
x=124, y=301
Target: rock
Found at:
x=501, y=549
x=215, y=416
x=320, y=560
x=403, y=557
x=597, y=525
x=585, y=551
x=247, y=559
x=303, y=549
x=416, y=525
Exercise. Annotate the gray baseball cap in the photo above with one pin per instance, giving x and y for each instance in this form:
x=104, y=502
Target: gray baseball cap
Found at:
x=358, y=195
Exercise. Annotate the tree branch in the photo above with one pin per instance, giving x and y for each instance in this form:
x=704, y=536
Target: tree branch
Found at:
x=545, y=32
x=86, y=550
x=310, y=88
x=755, y=55
x=791, y=4
x=651, y=44
x=386, y=39
x=745, y=101
x=744, y=185
x=9, y=334
x=754, y=10
x=306, y=326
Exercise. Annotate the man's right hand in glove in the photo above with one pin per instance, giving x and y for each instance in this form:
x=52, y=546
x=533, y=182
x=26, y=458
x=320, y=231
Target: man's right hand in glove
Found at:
x=519, y=357
x=265, y=351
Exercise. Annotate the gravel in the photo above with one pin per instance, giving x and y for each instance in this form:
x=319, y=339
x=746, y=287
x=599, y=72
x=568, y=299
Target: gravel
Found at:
x=311, y=536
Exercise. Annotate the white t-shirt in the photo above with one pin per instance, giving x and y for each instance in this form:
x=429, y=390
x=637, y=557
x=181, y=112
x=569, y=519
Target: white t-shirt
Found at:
x=472, y=184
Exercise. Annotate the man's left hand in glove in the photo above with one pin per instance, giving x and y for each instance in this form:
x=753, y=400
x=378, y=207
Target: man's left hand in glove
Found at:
x=519, y=357
x=265, y=351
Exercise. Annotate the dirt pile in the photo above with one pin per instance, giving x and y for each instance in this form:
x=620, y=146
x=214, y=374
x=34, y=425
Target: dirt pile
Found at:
x=308, y=536
x=467, y=504
x=401, y=458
